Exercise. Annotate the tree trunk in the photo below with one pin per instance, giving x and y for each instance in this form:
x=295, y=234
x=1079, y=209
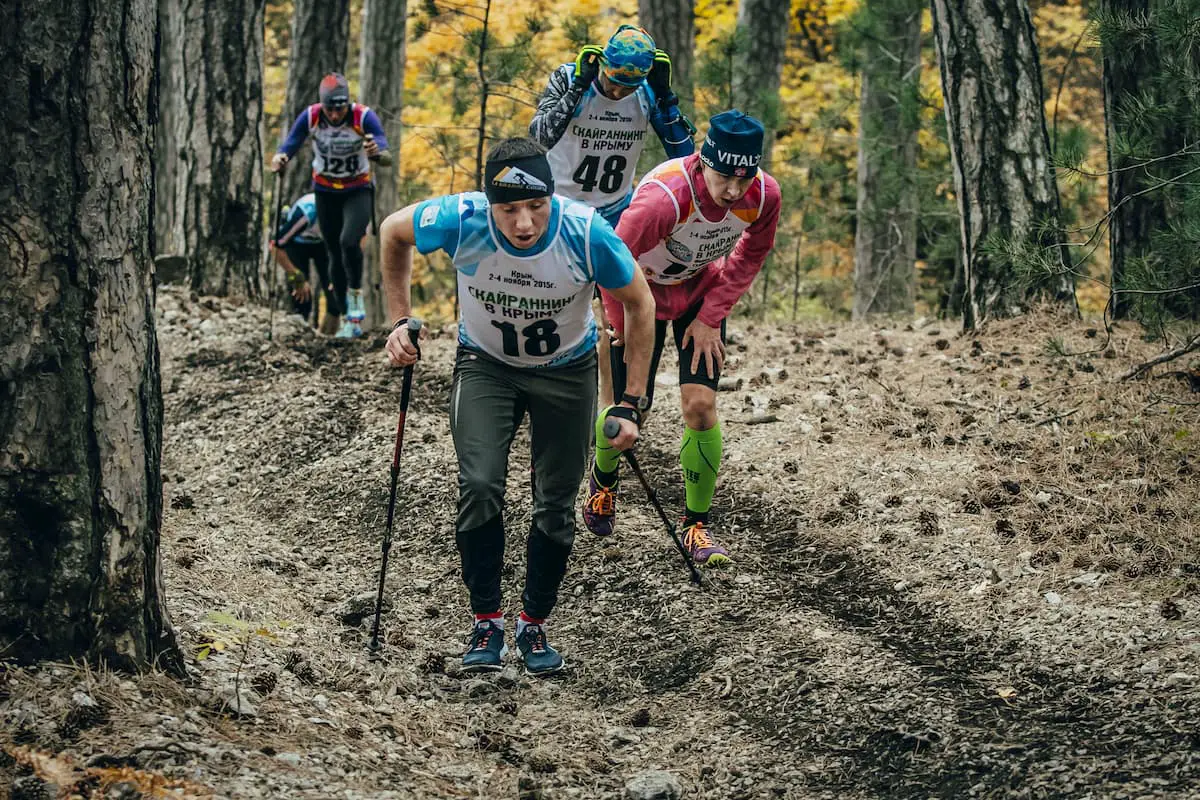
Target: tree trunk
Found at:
x=218, y=192
x=1149, y=115
x=169, y=65
x=759, y=63
x=80, y=399
x=381, y=68
x=672, y=24
x=1007, y=198
x=885, y=242
x=320, y=42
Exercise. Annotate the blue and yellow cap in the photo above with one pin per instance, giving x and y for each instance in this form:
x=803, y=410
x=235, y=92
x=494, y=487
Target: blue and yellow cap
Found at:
x=628, y=56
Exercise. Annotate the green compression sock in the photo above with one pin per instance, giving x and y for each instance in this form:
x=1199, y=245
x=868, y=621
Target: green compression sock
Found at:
x=700, y=456
x=607, y=456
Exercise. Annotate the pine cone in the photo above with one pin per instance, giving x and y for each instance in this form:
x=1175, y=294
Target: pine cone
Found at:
x=927, y=523
x=1170, y=609
x=264, y=683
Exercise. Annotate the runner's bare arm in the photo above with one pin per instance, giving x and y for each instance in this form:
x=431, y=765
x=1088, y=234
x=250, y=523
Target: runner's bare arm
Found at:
x=638, y=335
x=397, y=239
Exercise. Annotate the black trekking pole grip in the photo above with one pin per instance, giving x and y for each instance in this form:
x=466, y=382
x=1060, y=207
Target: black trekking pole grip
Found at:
x=611, y=429
x=414, y=331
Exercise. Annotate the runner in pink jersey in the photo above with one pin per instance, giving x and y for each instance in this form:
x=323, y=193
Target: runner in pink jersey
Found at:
x=700, y=228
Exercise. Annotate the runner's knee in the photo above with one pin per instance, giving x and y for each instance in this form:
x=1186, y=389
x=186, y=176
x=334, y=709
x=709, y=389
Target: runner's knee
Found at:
x=699, y=405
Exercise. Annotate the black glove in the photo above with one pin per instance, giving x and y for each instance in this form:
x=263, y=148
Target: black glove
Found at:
x=660, y=76
x=587, y=64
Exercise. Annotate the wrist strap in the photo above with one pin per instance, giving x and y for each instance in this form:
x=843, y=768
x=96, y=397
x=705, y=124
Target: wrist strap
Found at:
x=625, y=412
x=400, y=322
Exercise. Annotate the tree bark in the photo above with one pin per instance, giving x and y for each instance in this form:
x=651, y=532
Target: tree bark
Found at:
x=80, y=397
x=1000, y=152
x=218, y=191
x=885, y=242
x=759, y=63
x=320, y=43
x=381, y=68
x=672, y=23
x=169, y=66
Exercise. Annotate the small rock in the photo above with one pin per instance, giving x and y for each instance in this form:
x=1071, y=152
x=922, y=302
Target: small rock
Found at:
x=744, y=580
x=461, y=772
x=1180, y=678
x=240, y=701
x=353, y=610
x=289, y=758
x=821, y=400
x=479, y=688
x=508, y=678
x=1053, y=598
x=1043, y=498
x=421, y=585
x=1151, y=667
x=619, y=736
x=1088, y=579
x=122, y=790
x=653, y=785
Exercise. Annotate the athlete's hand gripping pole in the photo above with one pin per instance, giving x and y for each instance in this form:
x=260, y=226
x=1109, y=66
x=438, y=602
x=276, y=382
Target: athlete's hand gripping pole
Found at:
x=414, y=330
x=611, y=429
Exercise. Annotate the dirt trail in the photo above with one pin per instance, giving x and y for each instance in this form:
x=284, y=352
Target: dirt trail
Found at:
x=941, y=590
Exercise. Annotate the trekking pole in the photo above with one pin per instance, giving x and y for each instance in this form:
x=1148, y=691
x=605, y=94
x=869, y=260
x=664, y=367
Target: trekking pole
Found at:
x=611, y=429
x=274, y=270
x=414, y=328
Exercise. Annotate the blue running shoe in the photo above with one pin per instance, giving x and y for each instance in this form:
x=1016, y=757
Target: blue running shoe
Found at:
x=487, y=648
x=348, y=330
x=355, y=312
x=539, y=657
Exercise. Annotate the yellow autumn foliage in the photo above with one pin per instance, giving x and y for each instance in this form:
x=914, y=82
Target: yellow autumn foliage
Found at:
x=816, y=147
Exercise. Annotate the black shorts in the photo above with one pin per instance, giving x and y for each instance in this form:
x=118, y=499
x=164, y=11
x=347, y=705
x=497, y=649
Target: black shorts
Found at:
x=616, y=357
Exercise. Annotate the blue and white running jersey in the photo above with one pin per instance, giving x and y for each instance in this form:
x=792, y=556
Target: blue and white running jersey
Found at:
x=310, y=233
x=527, y=308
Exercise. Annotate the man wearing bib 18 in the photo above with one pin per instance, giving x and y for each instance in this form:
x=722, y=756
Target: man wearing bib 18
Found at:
x=594, y=116
x=527, y=261
x=700, y=228
x=346, y=138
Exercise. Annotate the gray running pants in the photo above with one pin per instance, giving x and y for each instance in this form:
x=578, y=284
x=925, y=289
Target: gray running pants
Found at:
x=487, y=404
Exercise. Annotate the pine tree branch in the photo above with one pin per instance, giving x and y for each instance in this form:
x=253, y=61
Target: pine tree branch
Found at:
x=1190, y=150
x=517, y=100
x=530, y=92
x=1192, y=344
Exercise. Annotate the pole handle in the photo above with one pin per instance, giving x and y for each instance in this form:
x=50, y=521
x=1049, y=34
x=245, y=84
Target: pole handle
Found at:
x=612, y=428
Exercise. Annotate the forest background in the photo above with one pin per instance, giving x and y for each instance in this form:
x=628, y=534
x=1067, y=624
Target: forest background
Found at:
x=810, y=273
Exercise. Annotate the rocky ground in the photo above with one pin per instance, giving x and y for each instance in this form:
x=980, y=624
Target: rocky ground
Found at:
x=967, y=566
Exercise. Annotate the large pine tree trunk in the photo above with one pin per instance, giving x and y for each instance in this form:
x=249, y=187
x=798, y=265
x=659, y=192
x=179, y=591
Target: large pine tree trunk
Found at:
x=381, y=67
x=80, y=400
x=759, y=65
x=169, y=65
x=1007, y=198
x=885, y=243
x=218, y=189
x=672, y=23
x=320, y=42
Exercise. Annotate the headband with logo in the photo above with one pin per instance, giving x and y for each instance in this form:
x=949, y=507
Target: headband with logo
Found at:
x=512, y=179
